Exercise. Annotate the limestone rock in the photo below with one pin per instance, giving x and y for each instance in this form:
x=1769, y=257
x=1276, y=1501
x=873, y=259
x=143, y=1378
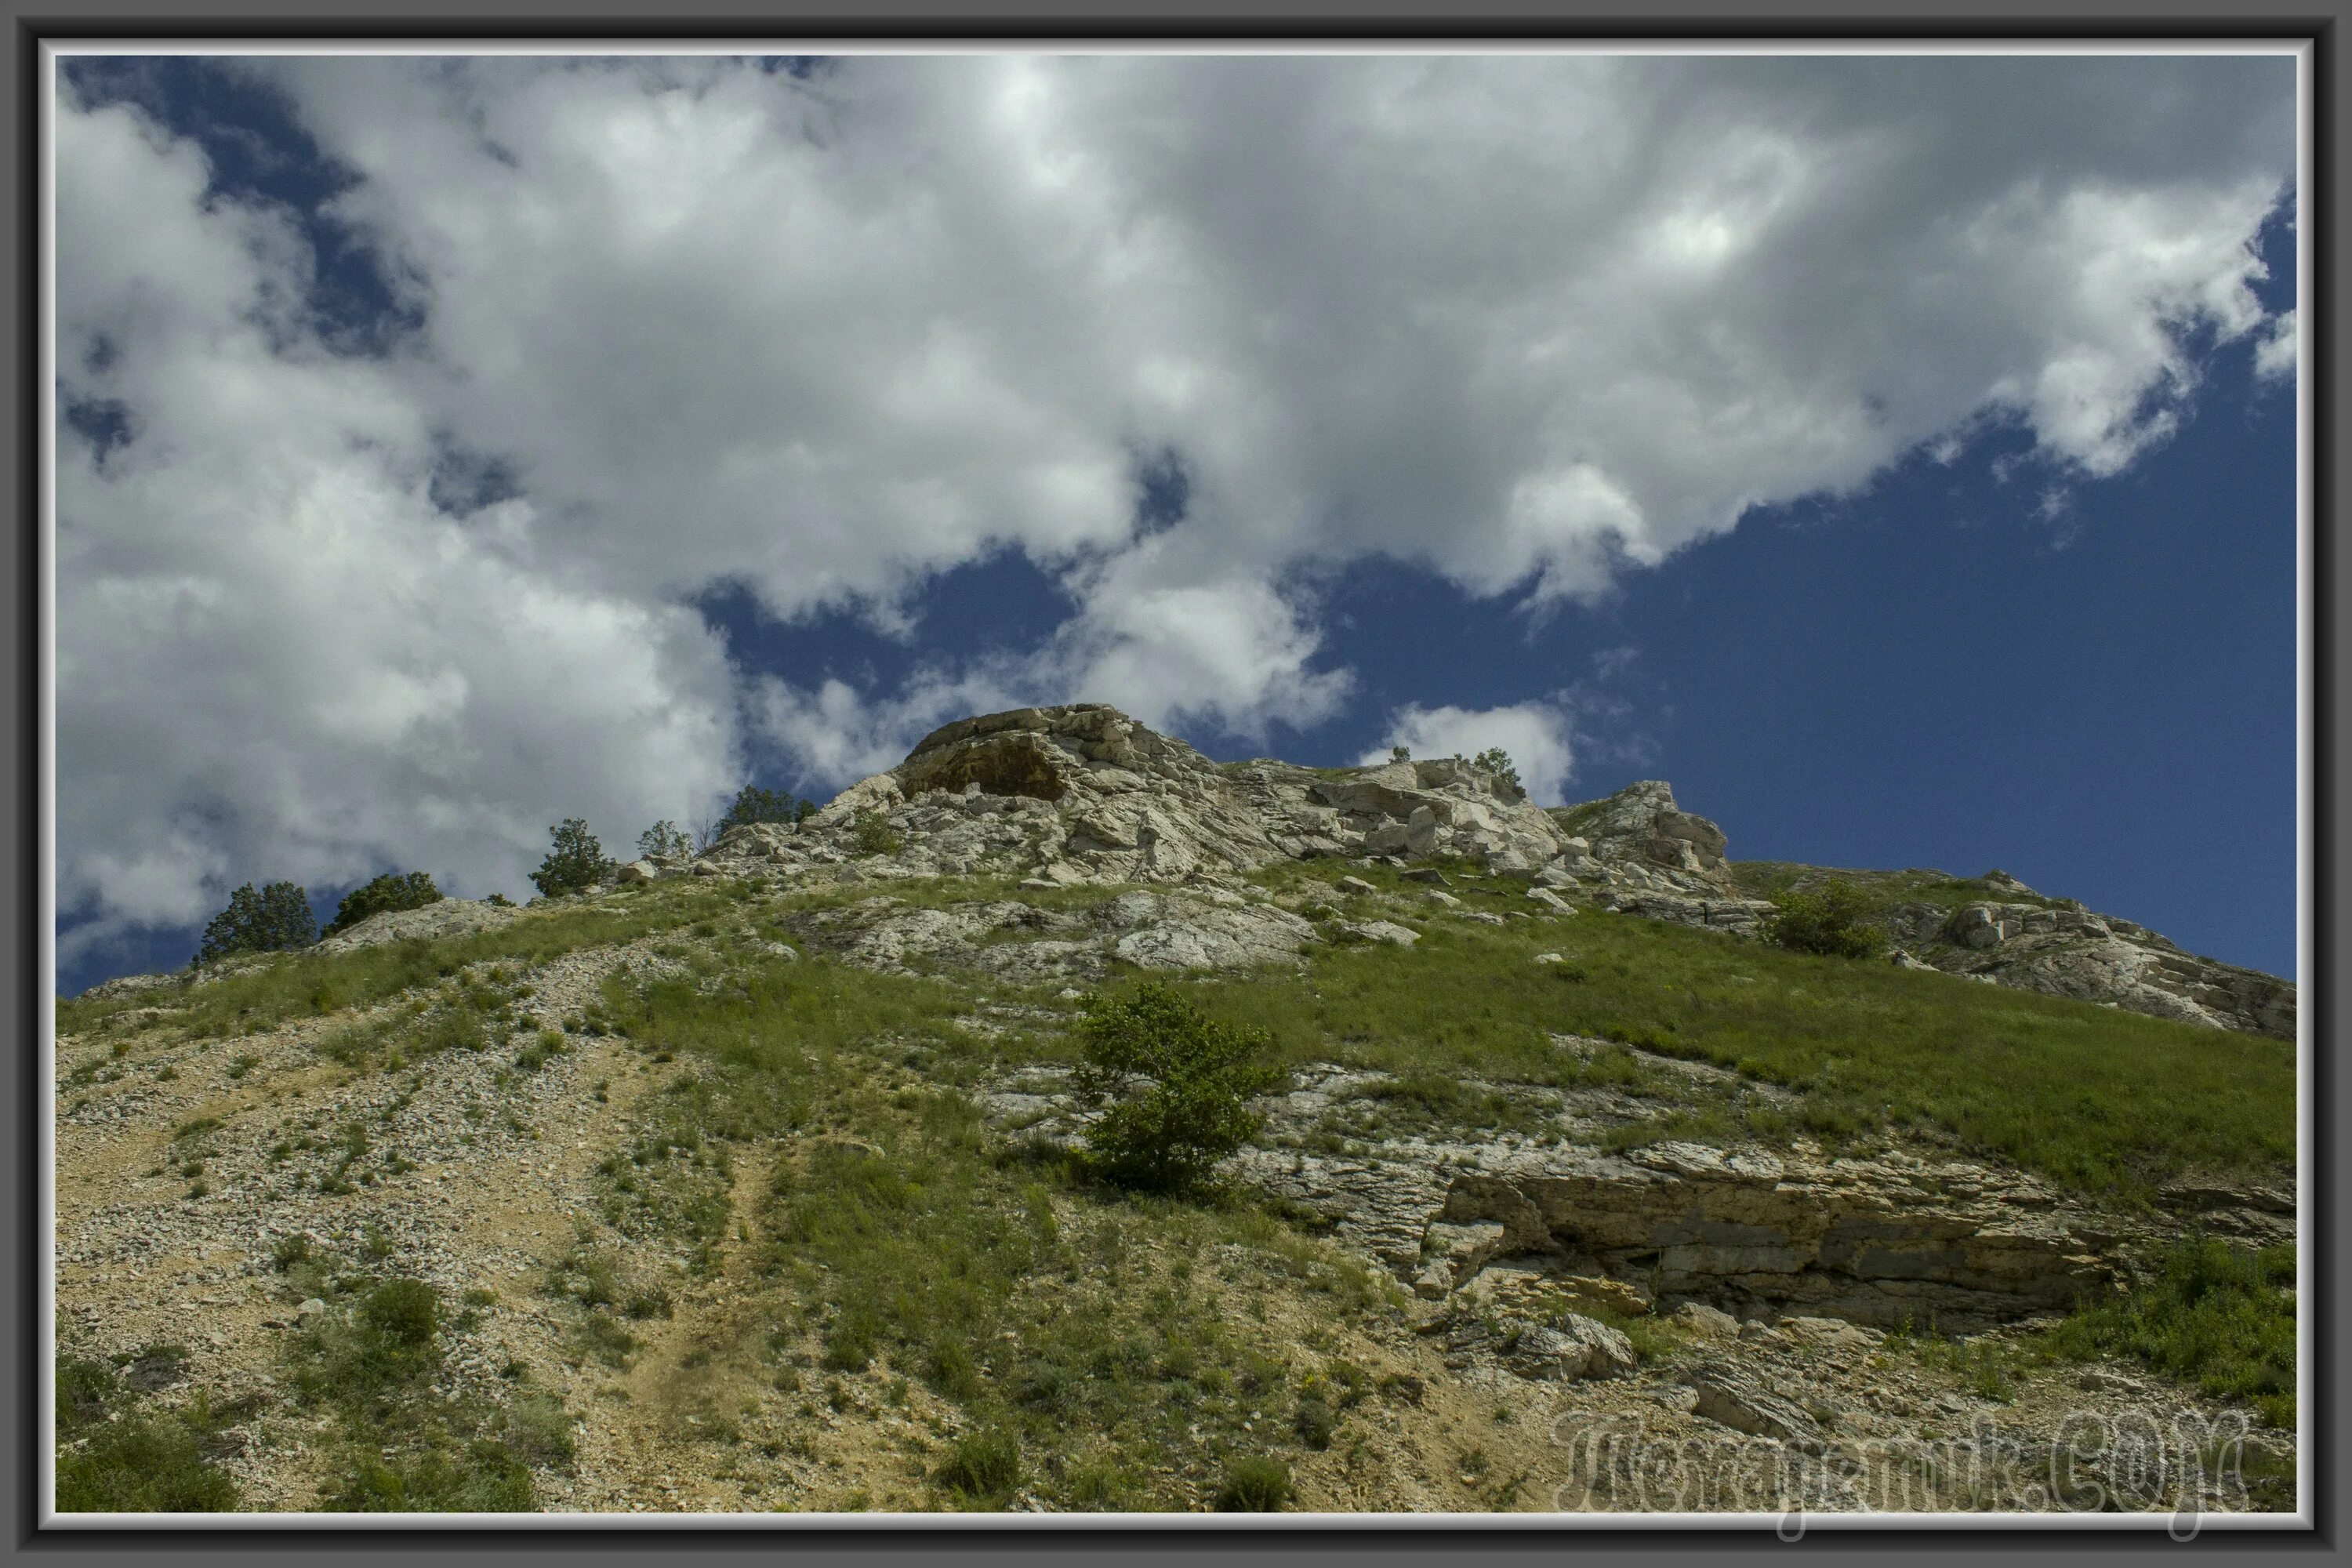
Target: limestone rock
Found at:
x=1575, y=1347
x=1739, y=1400
x=1875, y=1241
x=1704, y=1321
x=446, y=918
x=1387, y=932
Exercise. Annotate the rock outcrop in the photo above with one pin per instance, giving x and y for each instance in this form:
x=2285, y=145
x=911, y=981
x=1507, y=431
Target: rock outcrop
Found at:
x=1083, y=794
x=2063, y=950
x=442, y=918
x=1875, y=1241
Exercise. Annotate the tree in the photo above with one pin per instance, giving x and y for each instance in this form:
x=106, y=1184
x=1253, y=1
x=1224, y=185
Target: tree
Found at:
x=1399, y=753
x=277, y=917
x=1172, y=1087
x=1828, y=923
x=664, y=841
x=392, y=890
x=757, y=805
x=1498, y=762
x=576, y=861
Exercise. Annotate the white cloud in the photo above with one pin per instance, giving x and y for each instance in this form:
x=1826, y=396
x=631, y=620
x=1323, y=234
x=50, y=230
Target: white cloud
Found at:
x=1536, y=735
x=2275, y=356
x=276, y=657
x=1529, y=321
x=1522, y=318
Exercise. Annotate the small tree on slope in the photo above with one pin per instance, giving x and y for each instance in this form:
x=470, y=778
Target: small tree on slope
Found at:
x=576, y=860
x=1172, y=1086
x=277, y=917
x=392, y=890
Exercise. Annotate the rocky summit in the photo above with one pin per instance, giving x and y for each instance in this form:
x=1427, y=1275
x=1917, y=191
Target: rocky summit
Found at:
x=765, y=1177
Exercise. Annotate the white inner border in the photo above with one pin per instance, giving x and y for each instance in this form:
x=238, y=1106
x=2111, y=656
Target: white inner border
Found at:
x=52, y=51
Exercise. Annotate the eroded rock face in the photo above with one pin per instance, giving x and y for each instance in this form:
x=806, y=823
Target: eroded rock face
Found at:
x=2070, y=952
x=1083, y=794
x=1178, y=929
x=1880, y=1242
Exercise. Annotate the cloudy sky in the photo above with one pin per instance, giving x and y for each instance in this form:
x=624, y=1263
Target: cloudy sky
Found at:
x=1897, y=455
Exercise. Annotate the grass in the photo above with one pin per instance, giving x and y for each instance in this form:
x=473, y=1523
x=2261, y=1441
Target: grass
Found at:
x=1883, y=890
x=2219, y=1317
x=117, y=1452
x=2096, y=1098
x=1090, y=1329
x=308, y=984
x=2210, y=1315
x=1254, y=1483
x=372, y=1361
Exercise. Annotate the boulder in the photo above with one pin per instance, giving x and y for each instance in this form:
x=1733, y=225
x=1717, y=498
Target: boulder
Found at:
x=1576, y=1347
x=1739, y=1400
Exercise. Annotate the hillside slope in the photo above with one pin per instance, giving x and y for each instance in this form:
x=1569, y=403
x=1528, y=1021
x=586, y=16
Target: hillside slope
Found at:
x=748, y=1184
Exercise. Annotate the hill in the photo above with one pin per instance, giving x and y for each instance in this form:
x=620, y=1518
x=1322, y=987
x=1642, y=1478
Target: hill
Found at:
x=757, y=1180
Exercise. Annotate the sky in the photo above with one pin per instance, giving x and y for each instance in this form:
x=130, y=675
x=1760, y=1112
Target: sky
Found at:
x=1895, y=454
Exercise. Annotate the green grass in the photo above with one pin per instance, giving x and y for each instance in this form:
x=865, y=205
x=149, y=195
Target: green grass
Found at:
x=907, y=1245
x=2096, y=1098
x=117, y=1452
x=371, y=1360
x=1254, y=1483
x=1883, y=891
x=311, y=983
x=2210, y=1315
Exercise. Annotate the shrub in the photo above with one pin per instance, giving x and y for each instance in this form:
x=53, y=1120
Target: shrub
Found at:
x=1254, y=1484
x=664, y=841
x=576, y=860
x=873, y=835
x=984, y=1468
x=489, y=1478
x=757, y=805
x=277, y=917
x=1828, y=923
x=1498, y=762
x=411, y=890
x=404, y=1311
x=500, y=899
x=140, y=1463
x=1191, y=1109
x=1399, y=753
x=131, y=1461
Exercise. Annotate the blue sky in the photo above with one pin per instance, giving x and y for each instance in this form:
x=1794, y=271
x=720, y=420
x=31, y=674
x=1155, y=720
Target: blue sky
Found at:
x=453, y=447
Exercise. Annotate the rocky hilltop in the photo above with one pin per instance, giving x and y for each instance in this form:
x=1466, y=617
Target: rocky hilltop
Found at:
x=744, y=1182
x=1083, y=794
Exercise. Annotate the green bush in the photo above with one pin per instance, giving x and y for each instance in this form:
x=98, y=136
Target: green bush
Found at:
x=982, y=1468
x=410, y=891
x=1190, y=1109
x=491, y=1479
x=757, y=805
x=576, y=861
x=1254, y=1483
x=277, y=917
x=404, y=1311
x=873, y=835
x=1828, y=923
